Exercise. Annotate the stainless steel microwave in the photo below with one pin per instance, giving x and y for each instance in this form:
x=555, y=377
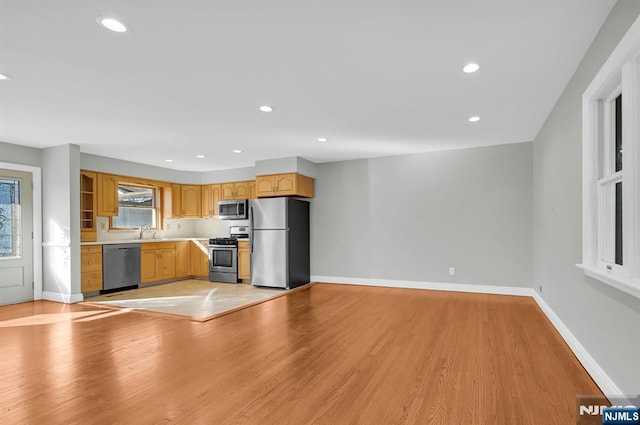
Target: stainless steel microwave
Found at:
x=233, y=209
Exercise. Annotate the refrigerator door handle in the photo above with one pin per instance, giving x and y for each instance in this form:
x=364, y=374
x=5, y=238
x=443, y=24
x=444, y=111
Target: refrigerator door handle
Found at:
x=251, y=230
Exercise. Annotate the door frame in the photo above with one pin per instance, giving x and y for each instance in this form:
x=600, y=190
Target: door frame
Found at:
x=36, y=178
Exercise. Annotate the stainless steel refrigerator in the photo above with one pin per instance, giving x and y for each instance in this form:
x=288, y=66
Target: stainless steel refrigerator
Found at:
x=279, y=242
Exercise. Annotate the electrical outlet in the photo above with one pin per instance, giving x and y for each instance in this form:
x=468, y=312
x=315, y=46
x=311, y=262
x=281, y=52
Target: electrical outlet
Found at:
x=452, y=271
x=103, y=226
x=179, y=226
x=168, y=226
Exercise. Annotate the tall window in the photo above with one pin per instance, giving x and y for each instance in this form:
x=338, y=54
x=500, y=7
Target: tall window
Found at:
x=10, y=217
x=137, y=206
x=610, y=194
x=611, y=169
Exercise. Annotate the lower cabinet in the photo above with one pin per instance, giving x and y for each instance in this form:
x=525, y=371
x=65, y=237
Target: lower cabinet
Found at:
x=90, y=268
x=183, y=259
x=158, y=261
x=199, y=259
x=244, y=260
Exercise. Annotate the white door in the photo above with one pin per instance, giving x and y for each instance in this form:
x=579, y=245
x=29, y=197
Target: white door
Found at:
x=16, y=237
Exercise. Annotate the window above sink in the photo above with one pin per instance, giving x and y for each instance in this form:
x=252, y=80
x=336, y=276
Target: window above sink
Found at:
x=137, y=207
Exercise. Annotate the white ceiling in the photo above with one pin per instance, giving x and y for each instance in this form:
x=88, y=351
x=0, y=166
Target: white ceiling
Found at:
x=377, y=77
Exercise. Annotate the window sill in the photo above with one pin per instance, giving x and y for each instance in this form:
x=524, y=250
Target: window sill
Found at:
x=630, y=286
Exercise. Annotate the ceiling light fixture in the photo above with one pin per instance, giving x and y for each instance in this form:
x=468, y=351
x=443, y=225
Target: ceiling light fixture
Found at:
x=237, y=151
x=266, y=108
x=112, y=24
x=470, y=68
x=200, y=156
x=322, y=139
x=168, y=160
x=4, y=77
x=474, y=118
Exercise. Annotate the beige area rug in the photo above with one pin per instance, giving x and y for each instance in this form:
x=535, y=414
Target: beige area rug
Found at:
x=197, y=300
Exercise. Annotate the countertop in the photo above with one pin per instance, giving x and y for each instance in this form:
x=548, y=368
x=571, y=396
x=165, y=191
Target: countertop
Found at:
x=119, y=241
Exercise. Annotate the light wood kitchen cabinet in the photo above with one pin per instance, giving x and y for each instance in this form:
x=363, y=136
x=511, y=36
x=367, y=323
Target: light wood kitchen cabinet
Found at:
x=176, y=200
x=107, y=195
x=191, y=202
x=244, y=260
x=90, y=268
x=158, y=261
x=210, y=198
x=88, y=206
x=288, y=184
x=199, y=259
x=183, y=258
x=242, y=190
x=148, y=266
x=235, y=190
x=252, y=190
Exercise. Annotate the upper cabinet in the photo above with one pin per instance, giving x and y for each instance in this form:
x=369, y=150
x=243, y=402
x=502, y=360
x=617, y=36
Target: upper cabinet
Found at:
x=289, y=184
x=99, y=196
x=210, y=198
x=107, y=195
x=176, y=201
x=191, y=201
x=252, y=190
x=235, y=190
x=88, y=206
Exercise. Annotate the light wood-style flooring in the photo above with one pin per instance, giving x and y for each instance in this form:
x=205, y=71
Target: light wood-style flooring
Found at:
x=328, y=354
x=199, y=300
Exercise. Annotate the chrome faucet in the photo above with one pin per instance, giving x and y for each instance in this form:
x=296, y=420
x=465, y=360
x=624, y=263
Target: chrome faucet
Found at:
x=142, y=229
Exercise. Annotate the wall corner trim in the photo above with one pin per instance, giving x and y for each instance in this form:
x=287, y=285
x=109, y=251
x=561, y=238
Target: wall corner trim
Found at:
x=606, y=384
x=602, y=380
x=62, y=298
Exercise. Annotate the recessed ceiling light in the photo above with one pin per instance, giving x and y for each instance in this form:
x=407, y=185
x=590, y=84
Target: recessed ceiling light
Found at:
x=322, y=139
x=472, y=67
x=266, y=108
x=112, y=24
x=4, y=77
x=474, y=118
x=200, y=156
x=168, y=160
x=237, y=151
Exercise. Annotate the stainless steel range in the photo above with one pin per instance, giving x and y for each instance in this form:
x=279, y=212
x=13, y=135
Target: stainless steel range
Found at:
x=223, y=256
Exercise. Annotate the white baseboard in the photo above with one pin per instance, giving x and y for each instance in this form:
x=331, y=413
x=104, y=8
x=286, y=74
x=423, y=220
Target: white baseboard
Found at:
x=606, y=384
x=602, y=380
x=457, y=287
x=62, y=298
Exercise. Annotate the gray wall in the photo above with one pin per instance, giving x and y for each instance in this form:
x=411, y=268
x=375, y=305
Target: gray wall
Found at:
x=411, y=217
x=604, y=320
x=135, y=169
x=17, y=154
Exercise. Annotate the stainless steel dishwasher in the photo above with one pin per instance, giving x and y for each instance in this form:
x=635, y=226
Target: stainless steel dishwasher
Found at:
x=121, y=266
